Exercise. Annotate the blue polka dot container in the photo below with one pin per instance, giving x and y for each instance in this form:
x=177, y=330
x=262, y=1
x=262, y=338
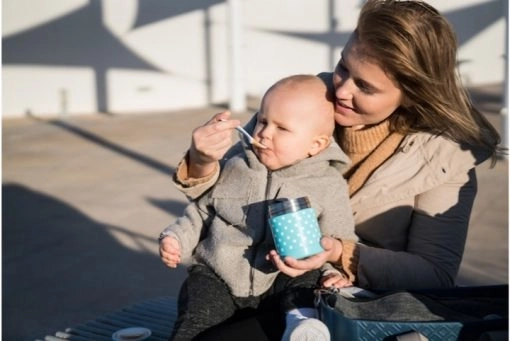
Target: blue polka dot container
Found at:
x=295, y=228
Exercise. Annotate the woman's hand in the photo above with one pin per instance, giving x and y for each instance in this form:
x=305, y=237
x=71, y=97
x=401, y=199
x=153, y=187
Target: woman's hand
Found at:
x=170, y=251
x=294, y=267
x=209, y=143
x=335, y=280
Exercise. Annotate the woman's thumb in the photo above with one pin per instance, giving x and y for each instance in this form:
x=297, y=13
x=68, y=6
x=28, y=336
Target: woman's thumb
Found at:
x=222, y=116
x=327, y=243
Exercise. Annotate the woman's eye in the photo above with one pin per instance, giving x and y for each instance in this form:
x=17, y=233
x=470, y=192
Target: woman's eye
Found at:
x=365, y=88
x=341, y=66
x=342, y=70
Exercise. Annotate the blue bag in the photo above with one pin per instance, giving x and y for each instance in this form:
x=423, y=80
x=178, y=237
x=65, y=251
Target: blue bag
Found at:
x=462, y=313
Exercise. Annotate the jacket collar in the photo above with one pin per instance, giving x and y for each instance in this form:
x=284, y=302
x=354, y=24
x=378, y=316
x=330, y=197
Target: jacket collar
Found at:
x=422, y=162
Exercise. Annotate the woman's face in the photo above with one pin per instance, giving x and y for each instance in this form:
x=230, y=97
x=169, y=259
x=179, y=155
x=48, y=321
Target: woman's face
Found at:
x=365, y=94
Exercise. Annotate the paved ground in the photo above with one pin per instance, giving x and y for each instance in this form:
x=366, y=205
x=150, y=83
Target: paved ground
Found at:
x=84, y=199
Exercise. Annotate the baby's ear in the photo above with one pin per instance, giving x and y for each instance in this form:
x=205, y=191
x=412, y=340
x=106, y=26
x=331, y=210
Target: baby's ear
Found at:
x=319, y=143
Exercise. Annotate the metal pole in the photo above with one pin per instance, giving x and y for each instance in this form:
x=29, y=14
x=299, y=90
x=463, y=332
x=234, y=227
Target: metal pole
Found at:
x=237, y=92
x=504, y=109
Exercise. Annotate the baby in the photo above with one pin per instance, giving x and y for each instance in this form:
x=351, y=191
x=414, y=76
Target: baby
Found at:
x=225, y=234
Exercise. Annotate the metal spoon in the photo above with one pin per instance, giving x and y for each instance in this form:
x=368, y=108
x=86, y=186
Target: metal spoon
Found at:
x=250, y=138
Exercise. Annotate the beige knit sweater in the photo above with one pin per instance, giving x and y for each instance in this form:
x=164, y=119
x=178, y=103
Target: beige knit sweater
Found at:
x=368, y=149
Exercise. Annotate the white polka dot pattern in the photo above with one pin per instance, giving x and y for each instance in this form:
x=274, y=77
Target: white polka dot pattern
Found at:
x=296, y=234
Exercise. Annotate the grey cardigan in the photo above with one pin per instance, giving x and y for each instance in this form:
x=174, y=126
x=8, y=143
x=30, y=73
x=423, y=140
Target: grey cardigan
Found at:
x=227, y=227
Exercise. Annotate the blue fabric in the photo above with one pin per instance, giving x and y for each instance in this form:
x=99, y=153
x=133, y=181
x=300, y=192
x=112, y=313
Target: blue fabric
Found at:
x=450, y=314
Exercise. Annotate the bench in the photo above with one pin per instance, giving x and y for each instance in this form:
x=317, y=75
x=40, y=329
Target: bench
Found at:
x=156, y=314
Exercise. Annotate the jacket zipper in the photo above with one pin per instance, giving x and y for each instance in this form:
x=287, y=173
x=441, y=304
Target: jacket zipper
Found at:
x=269, y=179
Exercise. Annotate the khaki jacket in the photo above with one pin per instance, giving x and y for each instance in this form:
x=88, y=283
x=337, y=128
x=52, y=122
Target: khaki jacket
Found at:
x=412, y=215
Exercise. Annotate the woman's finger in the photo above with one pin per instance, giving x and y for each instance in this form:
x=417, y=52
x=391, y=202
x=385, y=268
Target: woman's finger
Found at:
x=224, y=115
x=280, y=265
x=328, y=281
x=310, y=263
x=211, y=141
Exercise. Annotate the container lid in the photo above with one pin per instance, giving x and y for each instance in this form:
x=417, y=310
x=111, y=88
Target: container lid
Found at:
x=286, y=205
x=131, y=334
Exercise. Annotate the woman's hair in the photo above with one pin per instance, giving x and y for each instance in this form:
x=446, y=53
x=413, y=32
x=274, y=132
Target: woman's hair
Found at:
x=417, y=47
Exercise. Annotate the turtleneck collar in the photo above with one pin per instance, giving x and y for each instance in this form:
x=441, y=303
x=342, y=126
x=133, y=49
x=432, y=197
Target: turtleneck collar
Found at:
x=362, y=141
x=367, y=148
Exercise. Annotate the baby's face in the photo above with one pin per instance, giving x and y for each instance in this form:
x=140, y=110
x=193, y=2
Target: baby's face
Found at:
x=288, y=125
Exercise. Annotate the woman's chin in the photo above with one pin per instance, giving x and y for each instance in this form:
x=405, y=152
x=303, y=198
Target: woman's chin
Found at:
x=344, y=121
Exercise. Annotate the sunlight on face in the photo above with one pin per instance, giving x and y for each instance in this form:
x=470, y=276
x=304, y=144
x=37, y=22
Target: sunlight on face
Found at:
x=289, y=122
x=365, y=94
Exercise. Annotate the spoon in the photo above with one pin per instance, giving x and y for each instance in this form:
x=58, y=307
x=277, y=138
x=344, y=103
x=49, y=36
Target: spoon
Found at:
x=251, y=140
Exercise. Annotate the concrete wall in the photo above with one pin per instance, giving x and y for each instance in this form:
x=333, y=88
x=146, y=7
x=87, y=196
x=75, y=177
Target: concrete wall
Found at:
x=125, y=56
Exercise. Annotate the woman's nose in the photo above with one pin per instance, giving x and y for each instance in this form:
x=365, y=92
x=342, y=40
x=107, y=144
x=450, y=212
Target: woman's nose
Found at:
x=344, y=88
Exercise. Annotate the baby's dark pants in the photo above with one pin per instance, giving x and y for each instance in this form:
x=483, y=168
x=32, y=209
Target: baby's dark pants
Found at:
x=205, y=301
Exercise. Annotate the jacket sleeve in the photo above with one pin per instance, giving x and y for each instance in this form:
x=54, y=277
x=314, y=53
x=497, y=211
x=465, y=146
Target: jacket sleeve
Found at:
x=193, y=188
x=435, y=245
x=189, y=228
x=336, y=218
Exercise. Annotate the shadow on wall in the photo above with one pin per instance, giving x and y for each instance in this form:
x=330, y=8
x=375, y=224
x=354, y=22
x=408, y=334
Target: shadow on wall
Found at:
x=488, y=99
x=62, y=268
x=80, y=39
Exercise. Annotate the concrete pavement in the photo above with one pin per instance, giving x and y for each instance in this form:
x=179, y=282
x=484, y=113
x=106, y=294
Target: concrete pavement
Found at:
x=84, y=199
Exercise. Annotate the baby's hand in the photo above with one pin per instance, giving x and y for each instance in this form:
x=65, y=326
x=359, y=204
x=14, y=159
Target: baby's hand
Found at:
x=335, y=280
x=170, y=251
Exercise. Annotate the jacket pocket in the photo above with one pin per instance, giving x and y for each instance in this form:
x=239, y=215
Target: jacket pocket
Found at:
x=231, y=202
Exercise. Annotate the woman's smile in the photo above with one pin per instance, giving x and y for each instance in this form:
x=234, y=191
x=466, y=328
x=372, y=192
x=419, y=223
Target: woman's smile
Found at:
x=343, y=109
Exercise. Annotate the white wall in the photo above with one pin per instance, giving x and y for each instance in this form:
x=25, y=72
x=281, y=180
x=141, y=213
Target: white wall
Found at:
x=124, y=56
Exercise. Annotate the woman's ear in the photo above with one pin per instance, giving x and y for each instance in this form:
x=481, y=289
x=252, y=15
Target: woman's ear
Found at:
x=319, y=143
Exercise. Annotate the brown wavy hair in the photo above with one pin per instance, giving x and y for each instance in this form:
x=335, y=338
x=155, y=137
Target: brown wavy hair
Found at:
x=417, y=47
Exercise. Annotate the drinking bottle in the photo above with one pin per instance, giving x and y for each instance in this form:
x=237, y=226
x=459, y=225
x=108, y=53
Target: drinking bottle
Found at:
x=295, y=227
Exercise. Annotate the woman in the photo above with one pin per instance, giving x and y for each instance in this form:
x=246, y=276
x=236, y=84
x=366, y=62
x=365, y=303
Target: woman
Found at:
x=414, y=139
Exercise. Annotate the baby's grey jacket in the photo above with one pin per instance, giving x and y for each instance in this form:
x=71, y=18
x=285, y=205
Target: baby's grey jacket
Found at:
x=227, y=228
